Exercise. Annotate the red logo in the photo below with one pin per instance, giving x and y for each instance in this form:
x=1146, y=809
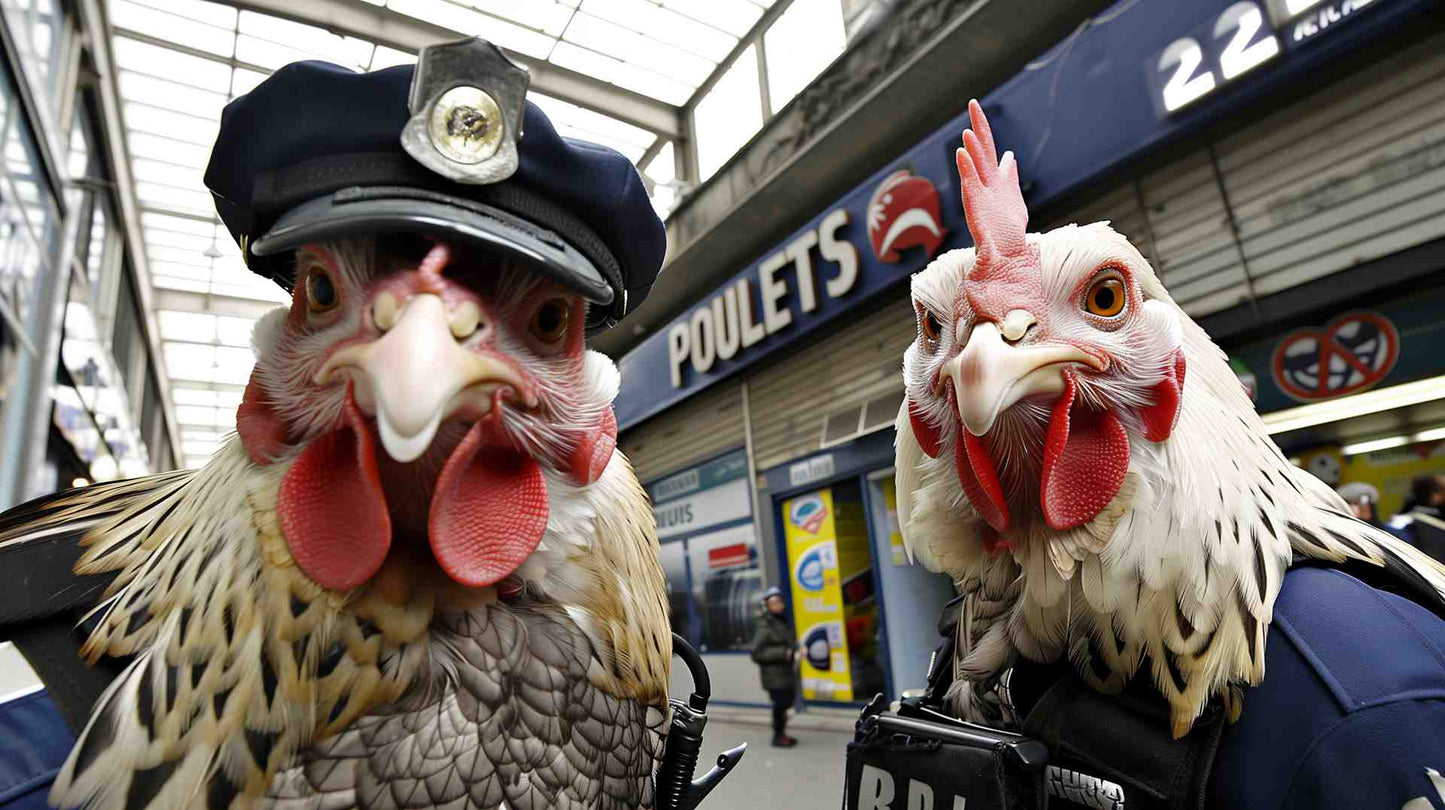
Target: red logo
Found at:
x=903, y=213
x=1352, y=353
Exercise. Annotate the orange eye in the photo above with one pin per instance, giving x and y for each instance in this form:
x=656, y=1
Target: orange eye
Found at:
x=930, y=326
x=321, y=291
x=1105, y=297
x=549, y=322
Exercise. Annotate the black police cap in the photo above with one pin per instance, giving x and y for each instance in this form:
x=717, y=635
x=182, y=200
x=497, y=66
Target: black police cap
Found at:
x=316, y=151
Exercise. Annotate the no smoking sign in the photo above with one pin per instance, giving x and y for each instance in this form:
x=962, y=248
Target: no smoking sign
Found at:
x=1351, y=353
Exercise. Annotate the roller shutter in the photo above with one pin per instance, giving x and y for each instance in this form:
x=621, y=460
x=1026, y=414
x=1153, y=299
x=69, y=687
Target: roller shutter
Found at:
x=848, y=378
x=702, y=426
x=1351, y=173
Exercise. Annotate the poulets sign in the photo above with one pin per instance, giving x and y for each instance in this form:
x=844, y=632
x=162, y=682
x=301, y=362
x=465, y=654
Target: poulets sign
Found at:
x=758, y=304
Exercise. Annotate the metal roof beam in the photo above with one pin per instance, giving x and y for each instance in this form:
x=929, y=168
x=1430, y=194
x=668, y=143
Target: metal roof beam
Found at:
x=396, y=30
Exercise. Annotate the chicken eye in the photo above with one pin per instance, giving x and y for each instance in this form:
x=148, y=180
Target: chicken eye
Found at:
x=321, y=291
x=549, y=322
x=930, y=327
x=1105, y=297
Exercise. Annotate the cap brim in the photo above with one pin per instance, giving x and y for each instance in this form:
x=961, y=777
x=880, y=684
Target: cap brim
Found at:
x=467, y=222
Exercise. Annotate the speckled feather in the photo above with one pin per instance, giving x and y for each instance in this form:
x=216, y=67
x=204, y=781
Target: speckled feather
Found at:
x=244, y=669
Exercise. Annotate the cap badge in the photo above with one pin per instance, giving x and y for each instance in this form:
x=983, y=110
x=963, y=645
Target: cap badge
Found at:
x=467, y=100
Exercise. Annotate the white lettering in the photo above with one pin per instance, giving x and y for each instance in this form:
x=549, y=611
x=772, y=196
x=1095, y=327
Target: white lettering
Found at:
x=702, y=345
x=752, y=332
x=773, y=289
x=677, y=348
x=838, y=250
x=725, y=325
x=959, y=803
x=920, y=795
x=875, y=789
x=797, y=250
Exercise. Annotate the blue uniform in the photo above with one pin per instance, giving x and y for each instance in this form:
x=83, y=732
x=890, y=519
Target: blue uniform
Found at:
x=34, y=742
x=1351, y=713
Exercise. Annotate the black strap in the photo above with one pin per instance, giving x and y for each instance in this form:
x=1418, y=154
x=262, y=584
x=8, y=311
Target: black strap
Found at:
x=52, y=647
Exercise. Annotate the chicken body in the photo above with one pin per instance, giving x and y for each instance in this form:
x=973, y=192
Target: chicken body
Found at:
x=341, y=634
x=1075, y=452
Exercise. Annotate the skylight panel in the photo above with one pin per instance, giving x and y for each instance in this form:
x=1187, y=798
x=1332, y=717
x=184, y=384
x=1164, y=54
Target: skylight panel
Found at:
x=302, y=38
x=162, y=281
x=177, y=256
x=152, y=60
x=196, y=415
x=593, y=126
x=800, y=43
x=632, y=47
x=664, y=25
x=543, y=15
x=729, y=114
x=144, y=144
x=474, y=23
x=173, y=198
x=390, y=57
x=195, y=327
x=663, y=166
x=156, y=221
x=232, y=331
x=193, y=396
x=170, y=95
x=198, y=35
x=584, y=61
x=652, y=84
x=736, y=17
x=185, y=241
x=171, y=124
x=221, y=16
x=244, y=81
x=168, y=173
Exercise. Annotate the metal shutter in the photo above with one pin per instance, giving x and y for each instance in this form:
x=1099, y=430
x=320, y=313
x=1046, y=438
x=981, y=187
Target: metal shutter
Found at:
x=1348, y=174
x=791, y=399
x=702, y=426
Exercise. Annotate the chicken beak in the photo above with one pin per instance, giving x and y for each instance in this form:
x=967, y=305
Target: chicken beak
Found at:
x=418, y=374
x=990, y=374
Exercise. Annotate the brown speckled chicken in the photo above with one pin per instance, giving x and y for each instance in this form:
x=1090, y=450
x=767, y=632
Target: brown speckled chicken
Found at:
x=419, y=576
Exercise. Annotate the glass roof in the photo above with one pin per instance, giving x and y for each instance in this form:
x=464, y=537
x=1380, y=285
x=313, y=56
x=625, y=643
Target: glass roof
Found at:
x=172, y=96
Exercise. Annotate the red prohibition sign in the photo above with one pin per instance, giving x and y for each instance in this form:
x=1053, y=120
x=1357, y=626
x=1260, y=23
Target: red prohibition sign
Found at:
x=1351, y=353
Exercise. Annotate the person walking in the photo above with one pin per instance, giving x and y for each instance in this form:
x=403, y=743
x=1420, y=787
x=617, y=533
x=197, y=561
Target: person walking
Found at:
x=775, y=650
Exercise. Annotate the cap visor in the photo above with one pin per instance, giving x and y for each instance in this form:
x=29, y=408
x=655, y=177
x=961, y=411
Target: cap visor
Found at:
x=466, y=221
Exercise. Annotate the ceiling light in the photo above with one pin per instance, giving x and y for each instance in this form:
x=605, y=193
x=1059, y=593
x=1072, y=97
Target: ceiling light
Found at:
x=212, y=251
x=1336, y=410
x=1360, y=448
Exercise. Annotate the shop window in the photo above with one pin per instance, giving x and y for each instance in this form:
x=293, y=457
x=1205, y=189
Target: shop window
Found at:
x=713, y=585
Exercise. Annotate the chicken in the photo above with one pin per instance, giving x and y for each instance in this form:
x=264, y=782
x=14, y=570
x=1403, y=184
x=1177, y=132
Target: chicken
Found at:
x=1077, y=455
x=470, y=614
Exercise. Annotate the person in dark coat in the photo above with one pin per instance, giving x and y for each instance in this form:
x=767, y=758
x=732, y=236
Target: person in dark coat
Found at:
x=775, y=649
x=1422, y=522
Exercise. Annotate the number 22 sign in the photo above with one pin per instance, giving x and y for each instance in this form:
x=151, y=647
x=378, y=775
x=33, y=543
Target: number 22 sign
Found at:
x=1239, y=40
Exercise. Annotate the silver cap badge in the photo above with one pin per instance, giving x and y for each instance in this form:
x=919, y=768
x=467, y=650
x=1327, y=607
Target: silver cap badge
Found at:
x=466, y=111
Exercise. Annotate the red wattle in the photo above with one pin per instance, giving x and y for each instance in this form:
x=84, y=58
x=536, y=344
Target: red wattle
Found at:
x=1085, y=459
x=489, y=509
x=924, y=431
x=258, y=425
x=331, y=507
x=979, y=480
x=1161, y=416
x=590, y=457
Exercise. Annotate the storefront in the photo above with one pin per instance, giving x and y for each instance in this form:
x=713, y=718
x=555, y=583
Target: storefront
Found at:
x=1358, y=397
x=1248, y=149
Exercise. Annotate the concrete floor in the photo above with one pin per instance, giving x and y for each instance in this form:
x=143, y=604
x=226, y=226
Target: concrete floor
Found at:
x=808, y=776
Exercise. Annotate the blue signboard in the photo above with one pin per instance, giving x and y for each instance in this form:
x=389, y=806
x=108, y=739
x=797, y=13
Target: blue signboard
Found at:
x=1142, y=74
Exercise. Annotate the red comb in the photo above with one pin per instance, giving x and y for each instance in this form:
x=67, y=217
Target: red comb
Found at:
x=997, y=216
x=998, y=219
